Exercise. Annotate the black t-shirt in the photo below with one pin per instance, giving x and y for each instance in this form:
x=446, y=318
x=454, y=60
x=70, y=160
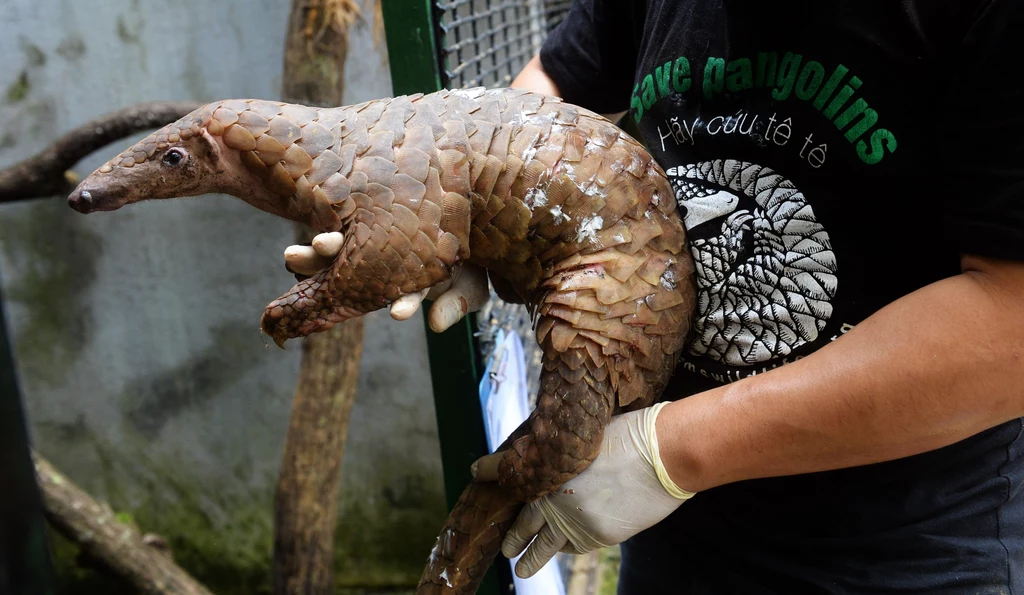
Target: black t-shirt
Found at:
x=829, y=158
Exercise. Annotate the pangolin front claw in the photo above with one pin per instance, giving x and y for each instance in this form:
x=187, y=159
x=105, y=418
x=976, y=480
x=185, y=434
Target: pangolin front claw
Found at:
x=306, y=309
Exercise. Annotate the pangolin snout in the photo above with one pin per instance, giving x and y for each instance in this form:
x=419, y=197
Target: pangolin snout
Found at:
x=82, y=200
x=91, y=197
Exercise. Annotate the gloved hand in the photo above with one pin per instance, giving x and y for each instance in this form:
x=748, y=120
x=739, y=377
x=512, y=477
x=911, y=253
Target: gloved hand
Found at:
x=466, y=291
x=624, y=491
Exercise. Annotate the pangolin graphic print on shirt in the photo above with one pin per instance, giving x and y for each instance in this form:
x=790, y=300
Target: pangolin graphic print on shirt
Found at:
x=766, y=269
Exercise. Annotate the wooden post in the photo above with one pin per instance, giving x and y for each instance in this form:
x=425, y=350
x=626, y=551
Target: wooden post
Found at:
x=306, y=501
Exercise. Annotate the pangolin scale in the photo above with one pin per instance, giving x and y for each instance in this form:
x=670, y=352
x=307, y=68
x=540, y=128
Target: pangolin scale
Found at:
x=555, y=201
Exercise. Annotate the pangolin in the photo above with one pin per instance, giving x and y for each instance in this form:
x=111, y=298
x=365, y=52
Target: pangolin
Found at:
x=556, y=202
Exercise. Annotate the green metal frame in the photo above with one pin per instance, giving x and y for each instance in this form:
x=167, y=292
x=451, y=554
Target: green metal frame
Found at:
x=26, y=567
x=455, y=363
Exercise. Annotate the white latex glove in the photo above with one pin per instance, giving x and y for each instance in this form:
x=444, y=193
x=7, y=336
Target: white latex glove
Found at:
x=624, y=491
x=465, y=292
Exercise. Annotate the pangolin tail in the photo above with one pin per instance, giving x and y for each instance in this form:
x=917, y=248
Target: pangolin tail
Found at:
x=470, y=540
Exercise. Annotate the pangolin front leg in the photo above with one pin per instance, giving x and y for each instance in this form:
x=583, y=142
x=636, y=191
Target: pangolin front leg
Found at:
x=385, y=255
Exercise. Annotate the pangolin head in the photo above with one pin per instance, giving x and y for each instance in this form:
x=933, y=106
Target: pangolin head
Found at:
x=260, y=151
x=285, y=159
x=180, y=159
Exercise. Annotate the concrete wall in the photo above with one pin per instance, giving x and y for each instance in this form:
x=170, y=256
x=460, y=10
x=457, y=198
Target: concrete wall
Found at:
x=137, y=332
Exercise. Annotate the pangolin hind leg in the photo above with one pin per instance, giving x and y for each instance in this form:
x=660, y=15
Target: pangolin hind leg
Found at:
x=611, y=337
x=471, y=537
x=610, y=344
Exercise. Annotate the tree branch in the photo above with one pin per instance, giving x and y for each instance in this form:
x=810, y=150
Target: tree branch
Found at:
x=46, y=173
x=306, y=500
x=118, y=547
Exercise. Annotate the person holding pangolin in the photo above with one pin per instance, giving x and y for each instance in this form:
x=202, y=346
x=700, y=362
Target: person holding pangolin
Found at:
x=847, y=417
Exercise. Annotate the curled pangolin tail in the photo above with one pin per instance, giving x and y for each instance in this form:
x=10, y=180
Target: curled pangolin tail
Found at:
x=470, y=540
x=472, y=534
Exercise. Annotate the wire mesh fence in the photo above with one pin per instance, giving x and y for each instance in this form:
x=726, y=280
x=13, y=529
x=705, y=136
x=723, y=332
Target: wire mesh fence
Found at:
x=485, y=43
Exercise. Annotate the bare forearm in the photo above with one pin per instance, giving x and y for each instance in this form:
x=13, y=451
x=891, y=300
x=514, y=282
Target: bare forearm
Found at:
x=929, y=370
x=533, y=78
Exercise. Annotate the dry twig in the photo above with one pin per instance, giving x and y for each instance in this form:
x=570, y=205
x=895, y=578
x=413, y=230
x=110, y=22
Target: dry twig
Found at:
x=47, y=173
x=109, y=542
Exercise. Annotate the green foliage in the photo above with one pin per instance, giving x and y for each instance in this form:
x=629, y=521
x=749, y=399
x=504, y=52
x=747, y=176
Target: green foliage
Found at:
x=58, y=256
x=608, y=561
x=381, y=541
x=74, y=574
x=18, y=89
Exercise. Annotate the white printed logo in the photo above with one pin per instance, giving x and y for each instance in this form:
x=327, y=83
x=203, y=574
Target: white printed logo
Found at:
x=765, y=266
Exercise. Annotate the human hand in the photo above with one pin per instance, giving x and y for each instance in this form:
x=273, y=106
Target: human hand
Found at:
x=466, y=291
x=624, y=491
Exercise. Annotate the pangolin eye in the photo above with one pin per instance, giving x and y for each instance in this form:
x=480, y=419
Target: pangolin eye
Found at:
x=173, y=157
